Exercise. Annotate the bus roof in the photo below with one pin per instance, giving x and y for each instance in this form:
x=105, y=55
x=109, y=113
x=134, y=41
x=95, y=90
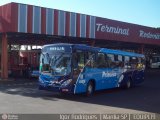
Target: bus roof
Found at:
x=109, y=51
x=97, y=49
x=120, y=52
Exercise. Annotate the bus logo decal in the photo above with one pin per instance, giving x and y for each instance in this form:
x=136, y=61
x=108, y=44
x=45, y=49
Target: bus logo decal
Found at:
x=82, y=81
x=57, y=48
x=107, y=74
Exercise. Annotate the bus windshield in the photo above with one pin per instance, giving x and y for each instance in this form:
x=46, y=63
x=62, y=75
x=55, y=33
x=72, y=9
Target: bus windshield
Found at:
x=57, y=64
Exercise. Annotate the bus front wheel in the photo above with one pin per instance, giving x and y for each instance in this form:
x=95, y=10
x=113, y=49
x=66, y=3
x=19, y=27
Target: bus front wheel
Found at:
x=90, y=88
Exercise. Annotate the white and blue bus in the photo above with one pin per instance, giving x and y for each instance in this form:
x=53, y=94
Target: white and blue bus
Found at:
x=155, y=61
x=78, y=68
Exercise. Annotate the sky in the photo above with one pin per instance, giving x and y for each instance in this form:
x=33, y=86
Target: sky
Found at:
x=141, y=12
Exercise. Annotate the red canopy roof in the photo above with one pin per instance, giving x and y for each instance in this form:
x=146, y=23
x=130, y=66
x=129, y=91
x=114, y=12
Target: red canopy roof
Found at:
x=15, y=17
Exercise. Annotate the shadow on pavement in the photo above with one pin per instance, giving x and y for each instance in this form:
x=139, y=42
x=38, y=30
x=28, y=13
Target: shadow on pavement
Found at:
x=144, y=97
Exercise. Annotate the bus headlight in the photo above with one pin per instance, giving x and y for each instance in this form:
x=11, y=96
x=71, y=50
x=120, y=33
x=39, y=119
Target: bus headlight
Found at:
x=67, y=82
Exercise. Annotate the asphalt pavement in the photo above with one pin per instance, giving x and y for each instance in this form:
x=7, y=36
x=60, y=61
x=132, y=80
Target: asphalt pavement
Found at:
x=25, y=98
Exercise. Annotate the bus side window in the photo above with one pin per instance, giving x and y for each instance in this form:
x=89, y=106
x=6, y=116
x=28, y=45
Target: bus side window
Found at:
x=127, y=62
x=117, y=63
x=101, y=61
x=79, y=59
x=141, y=63
x=90, y=59
x=133, y=62
x=120, y=60
x=123, y=58
x=111, y=60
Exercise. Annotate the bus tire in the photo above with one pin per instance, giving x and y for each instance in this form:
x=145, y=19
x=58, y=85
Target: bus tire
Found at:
x=90, y=88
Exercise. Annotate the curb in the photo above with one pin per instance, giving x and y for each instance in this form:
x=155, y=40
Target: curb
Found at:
x=16, y=81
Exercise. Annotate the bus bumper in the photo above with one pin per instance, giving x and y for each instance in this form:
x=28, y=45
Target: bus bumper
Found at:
x=49, y=88
x=57, y=89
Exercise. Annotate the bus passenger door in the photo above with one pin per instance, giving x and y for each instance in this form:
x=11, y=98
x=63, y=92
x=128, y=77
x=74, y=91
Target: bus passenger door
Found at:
x=78, y=74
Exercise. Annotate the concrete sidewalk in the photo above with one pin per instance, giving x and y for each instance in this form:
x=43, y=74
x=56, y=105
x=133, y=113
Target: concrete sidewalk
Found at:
x=17, y=81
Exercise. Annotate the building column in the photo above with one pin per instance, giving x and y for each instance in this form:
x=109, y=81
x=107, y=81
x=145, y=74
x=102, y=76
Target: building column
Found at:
x=4, y=57
x=142, y=49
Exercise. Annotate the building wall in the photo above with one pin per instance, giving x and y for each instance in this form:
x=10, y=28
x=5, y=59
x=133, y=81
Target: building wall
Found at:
x=39, y=20
x=5, y=18
x=121, y=31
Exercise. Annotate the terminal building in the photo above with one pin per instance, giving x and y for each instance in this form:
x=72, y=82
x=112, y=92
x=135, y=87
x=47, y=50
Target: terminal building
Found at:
x=29, y=27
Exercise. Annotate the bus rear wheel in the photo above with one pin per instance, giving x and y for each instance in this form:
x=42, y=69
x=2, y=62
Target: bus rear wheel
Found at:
x=128, y=84
x=90, y=89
